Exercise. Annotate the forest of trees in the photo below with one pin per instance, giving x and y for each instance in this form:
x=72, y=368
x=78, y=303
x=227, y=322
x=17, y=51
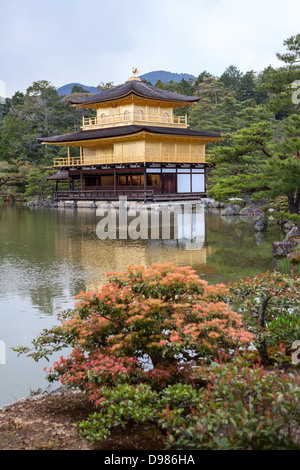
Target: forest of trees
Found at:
x=257, y=113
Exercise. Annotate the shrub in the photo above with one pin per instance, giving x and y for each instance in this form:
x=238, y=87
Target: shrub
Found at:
x=284, y=329
x=145, y=349
x=93, y=373
x=125, y=404
x=270, y=306
x=120, y=405
x=164, y=315
x=242, y=408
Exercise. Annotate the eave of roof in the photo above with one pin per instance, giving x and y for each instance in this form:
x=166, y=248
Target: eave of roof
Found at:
x=60, y=175
x=120, y=131
x=139, y=88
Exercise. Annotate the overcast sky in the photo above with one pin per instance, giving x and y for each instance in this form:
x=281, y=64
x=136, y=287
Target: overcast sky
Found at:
x=93, y=41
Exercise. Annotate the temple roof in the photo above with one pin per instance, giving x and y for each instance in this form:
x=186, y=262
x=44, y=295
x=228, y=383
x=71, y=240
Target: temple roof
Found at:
x=127, y=130
x=60, y=175
x=137, y=87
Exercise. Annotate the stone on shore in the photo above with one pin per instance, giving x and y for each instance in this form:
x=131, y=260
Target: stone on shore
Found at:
x=260, y=224
x=288, y=226
x=282, y=248
x=233, y=209
x=251, y=211
x=294, y=257
x=293, y=234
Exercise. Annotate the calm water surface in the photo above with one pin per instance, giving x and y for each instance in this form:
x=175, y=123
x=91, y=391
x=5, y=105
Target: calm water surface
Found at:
x=47, y=256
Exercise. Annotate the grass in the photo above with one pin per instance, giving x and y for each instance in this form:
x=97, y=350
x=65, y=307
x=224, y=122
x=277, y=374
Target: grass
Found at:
x=286, y=266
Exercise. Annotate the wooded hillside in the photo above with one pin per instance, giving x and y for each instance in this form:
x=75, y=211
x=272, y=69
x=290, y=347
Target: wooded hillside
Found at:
x=257, y=112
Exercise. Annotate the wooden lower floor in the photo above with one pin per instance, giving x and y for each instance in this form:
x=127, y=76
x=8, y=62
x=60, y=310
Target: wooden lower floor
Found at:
x=138, y=195
x=137, y=182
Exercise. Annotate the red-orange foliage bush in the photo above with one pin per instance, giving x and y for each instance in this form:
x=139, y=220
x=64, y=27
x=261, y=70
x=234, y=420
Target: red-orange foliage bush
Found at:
x=164, y=315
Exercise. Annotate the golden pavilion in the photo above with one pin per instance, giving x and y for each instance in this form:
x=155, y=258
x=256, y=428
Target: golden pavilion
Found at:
x=134, y=146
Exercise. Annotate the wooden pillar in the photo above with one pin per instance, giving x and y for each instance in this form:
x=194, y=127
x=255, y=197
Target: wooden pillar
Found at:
x=81, y=181
x=115, y=180
x=145, y=179
x=68, y=155
x=161, y=179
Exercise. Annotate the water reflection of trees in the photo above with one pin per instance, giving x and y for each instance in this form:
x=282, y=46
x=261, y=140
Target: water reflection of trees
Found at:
x=51, y=255
x=236, y=249
x=33, y=264
x=115, y=255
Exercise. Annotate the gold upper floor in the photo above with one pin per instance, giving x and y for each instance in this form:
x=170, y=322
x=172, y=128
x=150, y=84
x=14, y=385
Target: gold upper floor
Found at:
x=132, y=103
x=135, y=112
x=142, y=106
x=136, y=149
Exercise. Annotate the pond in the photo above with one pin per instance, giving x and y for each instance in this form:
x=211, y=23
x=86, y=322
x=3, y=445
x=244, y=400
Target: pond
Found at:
x=47, y=256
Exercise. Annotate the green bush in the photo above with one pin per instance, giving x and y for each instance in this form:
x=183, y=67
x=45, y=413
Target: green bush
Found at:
x=163, y=315
x=240, y=408
x=270, y=306
x=284, y=329
x=119, y=406
x=124, y=404
x=286, y=215
x=183, y=326
x=243, y=409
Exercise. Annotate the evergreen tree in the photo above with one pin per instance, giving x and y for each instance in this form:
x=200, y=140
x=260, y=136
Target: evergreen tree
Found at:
x=278, y=83
x=13, y=177
x=246, y=87
x=253, y=164
x=37, y=183
x=78, y=89
x=209, y=113
x=261, y=159
x=231, y=78
x=39, y=113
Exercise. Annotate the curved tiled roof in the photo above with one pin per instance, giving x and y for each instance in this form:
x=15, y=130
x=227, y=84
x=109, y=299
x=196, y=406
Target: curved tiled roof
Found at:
x=60, y=175
x=137, y=87
x=127, y=130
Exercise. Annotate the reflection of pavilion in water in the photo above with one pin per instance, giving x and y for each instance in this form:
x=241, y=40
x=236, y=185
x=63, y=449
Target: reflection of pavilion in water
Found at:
x=186, y=248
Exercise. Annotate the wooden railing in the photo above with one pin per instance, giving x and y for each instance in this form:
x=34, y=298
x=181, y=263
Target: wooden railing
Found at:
x=104, y=194
x=128, y=118
x=110, y=158
x=114, y=195
x=68, y=161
